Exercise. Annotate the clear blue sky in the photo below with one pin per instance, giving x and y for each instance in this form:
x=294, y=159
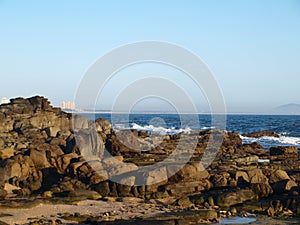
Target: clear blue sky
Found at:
x=252, y=46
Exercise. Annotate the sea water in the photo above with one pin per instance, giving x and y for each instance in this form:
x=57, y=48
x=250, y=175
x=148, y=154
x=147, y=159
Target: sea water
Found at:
x=287, y=126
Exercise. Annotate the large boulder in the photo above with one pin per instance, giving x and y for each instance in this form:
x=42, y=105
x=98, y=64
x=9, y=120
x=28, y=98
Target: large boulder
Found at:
x=256, y=176
x=236, y=197
x=262, y=189
x=79, y=122
x=192, y=171
x=39, y=159
x=278, y=175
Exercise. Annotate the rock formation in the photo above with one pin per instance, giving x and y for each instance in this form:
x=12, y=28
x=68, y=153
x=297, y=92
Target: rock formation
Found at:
x=47, y=152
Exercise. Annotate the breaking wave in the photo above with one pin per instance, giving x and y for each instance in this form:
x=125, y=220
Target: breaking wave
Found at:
x=268, y=142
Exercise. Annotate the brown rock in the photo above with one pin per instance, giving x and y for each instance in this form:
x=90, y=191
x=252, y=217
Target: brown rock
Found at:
x=236, y=197
x=102, y=188
x=64, y=161
x=103, y=125
x=254, y=149
x=86, y=194
x=52, y=131
x=2, y=143
x=256, y=176
x=6, y=153
x=247, y=160
x=121, y=169
x=39, y=159
x=3, y=192
x=262, y=189
x=185, y=202
x=221, y=180
x=243, y=175
x=259, y=134
x=278, y=175
x=156, y=176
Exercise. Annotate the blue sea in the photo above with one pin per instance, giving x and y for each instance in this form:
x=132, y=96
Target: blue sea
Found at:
x=287, y=126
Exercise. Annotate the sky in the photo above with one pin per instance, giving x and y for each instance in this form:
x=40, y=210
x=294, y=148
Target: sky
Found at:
x=252, y=47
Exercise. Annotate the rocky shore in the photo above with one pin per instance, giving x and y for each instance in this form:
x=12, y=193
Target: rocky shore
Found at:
x=45, y=161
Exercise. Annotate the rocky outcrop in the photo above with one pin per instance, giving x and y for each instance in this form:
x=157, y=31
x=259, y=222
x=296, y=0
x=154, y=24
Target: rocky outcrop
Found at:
x=47, y=152
x=262, y=133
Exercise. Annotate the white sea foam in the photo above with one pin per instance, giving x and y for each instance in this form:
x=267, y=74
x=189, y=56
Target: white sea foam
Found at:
x=208, y=128
x=268, y=141
x=160, y=130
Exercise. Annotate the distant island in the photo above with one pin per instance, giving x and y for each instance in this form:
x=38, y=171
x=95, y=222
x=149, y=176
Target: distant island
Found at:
x=288, y=109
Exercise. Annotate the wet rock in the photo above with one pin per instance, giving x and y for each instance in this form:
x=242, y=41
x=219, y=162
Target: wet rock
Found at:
x=85, y=194
x=262, y=133
x=283, y=150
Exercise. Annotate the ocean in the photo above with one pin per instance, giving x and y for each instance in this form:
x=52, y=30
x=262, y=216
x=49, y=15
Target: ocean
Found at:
x=287, y=126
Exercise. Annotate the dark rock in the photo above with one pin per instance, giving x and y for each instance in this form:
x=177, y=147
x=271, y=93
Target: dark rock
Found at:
x=284, y=185
x=262, y=133
x=102, y=188
x=85, y=194
x=283, y=150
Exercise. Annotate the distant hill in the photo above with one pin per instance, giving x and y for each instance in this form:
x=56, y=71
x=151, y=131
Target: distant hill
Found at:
x=288, y=109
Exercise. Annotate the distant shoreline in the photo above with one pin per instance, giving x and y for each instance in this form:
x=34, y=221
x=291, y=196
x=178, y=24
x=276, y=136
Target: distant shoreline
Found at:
x=174, y=113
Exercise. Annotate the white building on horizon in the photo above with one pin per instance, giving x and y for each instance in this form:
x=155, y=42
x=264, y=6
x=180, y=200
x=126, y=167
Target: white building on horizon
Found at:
x=4, y=101
x=67, y=105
